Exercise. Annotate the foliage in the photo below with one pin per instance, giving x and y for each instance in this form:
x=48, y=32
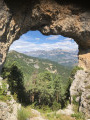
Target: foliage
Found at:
x=27, y=66
x=39, y=86
x=3, y=92
x=73, y=72
x=24, y=113
x=78, y=116
x=54, y=116
x=56, y=106
x=15, y=81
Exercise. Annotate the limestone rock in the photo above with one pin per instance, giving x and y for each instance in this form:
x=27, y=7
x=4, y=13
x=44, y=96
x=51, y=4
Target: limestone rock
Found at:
x=80, y=88
x=67, y=111
x=8, y=109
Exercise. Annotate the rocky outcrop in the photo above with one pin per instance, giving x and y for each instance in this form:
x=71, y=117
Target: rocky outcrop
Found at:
x=8, y=111
x=80, y=91
x=9, y=107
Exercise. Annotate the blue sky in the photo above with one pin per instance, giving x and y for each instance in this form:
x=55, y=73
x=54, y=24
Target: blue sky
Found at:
x=34, y=40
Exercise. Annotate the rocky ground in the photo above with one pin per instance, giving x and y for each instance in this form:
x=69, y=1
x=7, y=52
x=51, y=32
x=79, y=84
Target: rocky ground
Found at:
x=38, y=115
x=67, y=111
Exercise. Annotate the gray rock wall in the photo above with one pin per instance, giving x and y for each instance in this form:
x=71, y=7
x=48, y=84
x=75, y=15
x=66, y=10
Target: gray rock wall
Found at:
x=80, y=90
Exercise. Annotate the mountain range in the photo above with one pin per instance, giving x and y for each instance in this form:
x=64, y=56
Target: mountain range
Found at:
x=63, y=57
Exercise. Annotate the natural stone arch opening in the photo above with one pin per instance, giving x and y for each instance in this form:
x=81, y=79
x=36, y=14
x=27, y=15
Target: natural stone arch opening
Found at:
x=70, y=19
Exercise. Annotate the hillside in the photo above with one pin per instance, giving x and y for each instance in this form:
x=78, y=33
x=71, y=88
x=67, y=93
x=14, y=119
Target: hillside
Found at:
x=63, y=57
x=30, y=65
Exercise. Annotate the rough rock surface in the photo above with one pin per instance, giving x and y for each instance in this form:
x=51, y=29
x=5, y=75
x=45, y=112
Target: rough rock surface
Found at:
x=38, y=115
x=8, y=109
x=80, y=90
x=67, y=111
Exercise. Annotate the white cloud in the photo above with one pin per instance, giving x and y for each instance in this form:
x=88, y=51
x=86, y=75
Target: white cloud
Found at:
x=68, y=39
x=37, y=38
x=23, y=46
x=53, y=37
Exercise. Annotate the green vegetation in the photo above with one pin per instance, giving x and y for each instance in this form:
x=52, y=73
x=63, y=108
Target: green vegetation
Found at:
x=55, y=116
x=40, y=83
x=73, y=72
x=28, y=65
x=63, y=57
x=24, y=113
x=77, y=115
x=43, y=89
x=75, y=69
x=3, y=92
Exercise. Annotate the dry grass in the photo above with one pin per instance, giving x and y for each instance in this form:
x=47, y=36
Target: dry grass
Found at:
x=55, y=116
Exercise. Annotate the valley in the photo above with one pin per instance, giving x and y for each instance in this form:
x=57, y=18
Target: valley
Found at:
x=63, y=57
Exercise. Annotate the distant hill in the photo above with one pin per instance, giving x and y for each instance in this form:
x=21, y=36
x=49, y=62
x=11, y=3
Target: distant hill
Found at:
x=63, y=57
x=29, y=65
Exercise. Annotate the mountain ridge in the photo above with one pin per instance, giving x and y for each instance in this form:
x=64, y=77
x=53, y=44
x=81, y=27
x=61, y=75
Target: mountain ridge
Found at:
x=63, y=57
x=29, y=65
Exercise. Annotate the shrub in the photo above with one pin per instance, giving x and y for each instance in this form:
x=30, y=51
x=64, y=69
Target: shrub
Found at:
x=3, y=92
x=23, y=114
x=56, y=106
x=75, y=69
x=74, y=101
x=78, y=116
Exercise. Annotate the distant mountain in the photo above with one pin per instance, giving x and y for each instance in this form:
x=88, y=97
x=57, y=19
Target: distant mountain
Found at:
x=63, y=57
x=29, y=65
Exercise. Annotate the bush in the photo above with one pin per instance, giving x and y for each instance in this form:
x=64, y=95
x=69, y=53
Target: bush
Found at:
x=23, y=114
x=75, y=69
x=3, y=92
x=56, y=106
x=74, y=101
x=78, y=116
x=15, y=96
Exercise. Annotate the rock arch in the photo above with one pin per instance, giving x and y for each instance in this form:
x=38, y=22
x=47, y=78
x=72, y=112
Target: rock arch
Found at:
x=57, y=17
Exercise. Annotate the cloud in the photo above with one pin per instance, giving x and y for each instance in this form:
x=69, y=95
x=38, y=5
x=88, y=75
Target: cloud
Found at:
x=53, y=37
x=37, y=38
x=68, y=39
x=23, y=46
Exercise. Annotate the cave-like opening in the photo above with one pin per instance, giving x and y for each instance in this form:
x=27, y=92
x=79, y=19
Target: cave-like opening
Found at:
x=41, y=60
x=33, y=42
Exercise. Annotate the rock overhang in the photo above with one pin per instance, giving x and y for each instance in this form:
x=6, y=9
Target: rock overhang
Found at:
x=69, y=18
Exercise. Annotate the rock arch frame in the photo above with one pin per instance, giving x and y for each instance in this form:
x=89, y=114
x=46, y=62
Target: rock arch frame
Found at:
x=57, y=17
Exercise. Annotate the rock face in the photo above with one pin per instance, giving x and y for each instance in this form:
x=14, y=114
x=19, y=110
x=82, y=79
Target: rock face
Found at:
x=80, y=90
x=65, y=17
x=9, y=108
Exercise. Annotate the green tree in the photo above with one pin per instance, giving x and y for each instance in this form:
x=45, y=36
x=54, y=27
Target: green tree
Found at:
x=44, y=88
x=57, y=88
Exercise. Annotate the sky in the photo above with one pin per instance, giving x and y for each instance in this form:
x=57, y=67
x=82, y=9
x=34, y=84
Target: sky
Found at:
x=34, y=40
